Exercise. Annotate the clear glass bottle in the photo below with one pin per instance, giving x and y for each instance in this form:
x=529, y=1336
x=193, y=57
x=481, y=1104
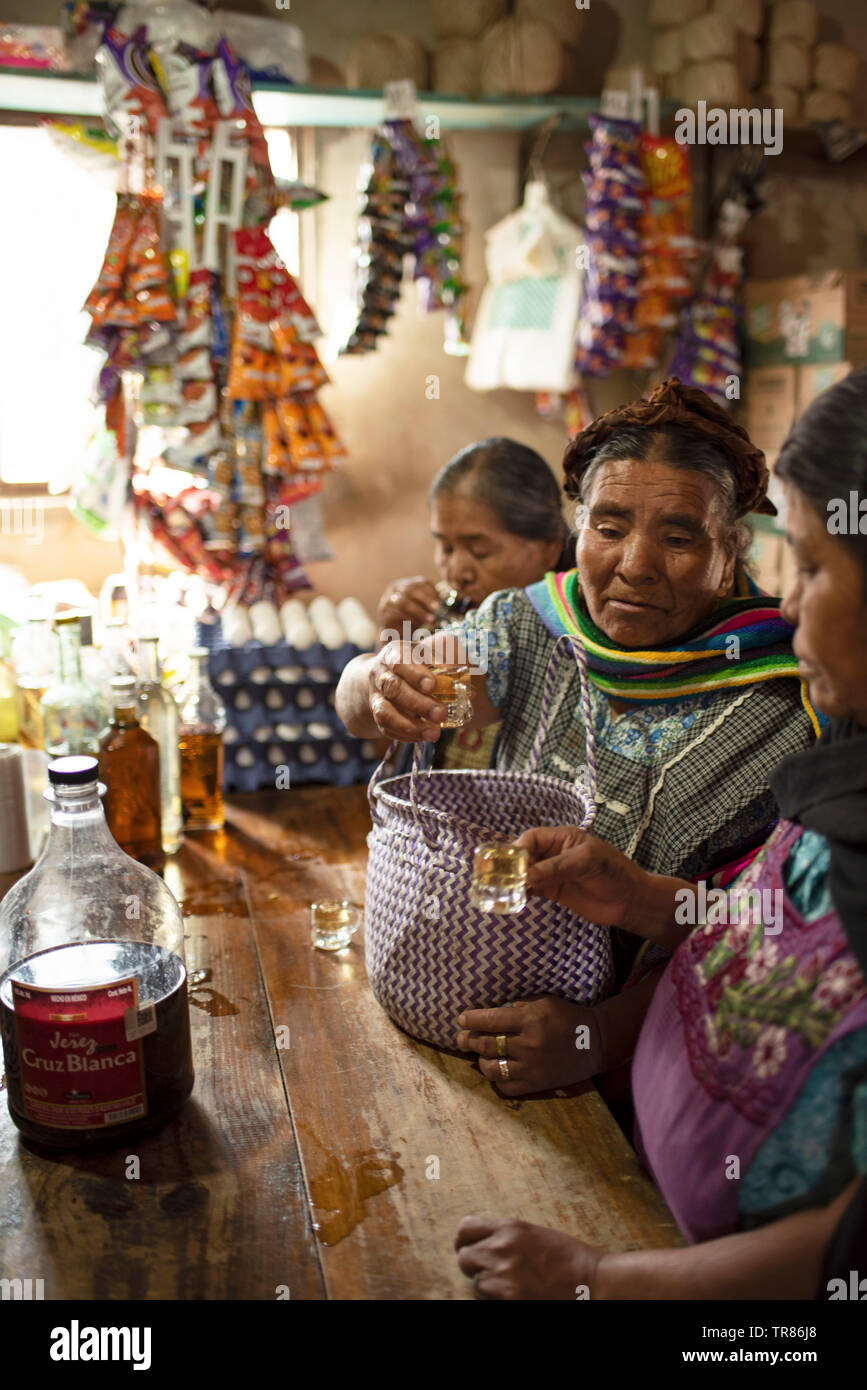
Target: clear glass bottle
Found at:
x=202, y=718
x=129, y=764
x=158, y=713
x=35, y=658
x=73, y=713
x=93, y=1001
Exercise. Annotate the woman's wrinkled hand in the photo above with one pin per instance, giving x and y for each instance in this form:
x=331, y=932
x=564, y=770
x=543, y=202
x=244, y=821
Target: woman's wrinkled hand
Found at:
x=509, y=1259
x=414, y=601
x=585, y=874
x=399, y=698
x=550, y=1042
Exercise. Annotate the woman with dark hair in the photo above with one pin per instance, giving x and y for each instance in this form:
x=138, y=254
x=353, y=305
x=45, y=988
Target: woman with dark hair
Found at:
x=752, y=1061
x=497, y=523
x=694, y=691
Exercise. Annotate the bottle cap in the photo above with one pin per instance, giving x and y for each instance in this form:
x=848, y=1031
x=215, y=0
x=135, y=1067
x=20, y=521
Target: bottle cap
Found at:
x=121, y=685
x=72, y=772
x=67, y=618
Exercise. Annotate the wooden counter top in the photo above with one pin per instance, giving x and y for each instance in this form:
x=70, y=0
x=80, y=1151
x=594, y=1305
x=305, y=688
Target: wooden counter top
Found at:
x=324, y=1154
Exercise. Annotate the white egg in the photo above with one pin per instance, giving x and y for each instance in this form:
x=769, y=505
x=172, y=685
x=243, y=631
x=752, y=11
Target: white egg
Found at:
x=243, y=700
x=305, y=699
x=288, y=731
x=260, y=675
x=230, y=735
x=266, y=622
x=227, y=677
x=262, y=733
x=289, y=674
x=307, y=754
x=319, y=730
x=338, y=752
x=274, y=699
x=246, y=757
x=236, y=627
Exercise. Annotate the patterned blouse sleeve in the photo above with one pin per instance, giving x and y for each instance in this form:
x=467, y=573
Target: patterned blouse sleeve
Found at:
x=486, y=631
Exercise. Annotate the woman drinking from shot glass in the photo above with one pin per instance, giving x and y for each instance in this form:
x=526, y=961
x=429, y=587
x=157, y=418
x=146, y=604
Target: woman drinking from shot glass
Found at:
x=695, y=694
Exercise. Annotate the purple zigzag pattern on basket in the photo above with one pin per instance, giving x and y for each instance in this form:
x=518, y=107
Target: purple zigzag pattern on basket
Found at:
x=425, y=969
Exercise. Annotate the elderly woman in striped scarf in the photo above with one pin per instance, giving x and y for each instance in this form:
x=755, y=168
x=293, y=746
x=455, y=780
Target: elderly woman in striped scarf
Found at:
x=695, y=693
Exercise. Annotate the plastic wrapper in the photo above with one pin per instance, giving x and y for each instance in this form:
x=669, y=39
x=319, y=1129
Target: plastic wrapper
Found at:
x=324, y=431
x=234, y=99
x=130, y=89
x=304, y=447
x=120, y=241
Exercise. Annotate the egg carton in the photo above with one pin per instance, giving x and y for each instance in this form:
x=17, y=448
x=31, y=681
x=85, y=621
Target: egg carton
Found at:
x=254, y=766
x=244, y=660
x=248, y=709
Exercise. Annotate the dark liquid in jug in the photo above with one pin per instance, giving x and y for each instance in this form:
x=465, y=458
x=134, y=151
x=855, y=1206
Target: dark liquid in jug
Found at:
x=163, y=1080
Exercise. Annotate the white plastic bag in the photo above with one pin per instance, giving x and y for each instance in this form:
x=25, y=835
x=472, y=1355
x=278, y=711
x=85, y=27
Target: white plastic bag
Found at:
x=525, y=325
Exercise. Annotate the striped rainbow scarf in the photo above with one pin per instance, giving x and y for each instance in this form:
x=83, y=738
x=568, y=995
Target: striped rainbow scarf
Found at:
x=705, y=659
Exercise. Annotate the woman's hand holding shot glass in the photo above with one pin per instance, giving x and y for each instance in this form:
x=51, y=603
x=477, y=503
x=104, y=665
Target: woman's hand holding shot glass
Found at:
x=417, y=689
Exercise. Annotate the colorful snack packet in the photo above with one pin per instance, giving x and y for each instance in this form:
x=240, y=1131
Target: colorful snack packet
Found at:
x=324, y=431
x=119, y=243
x=305, y=450
x=130, y=90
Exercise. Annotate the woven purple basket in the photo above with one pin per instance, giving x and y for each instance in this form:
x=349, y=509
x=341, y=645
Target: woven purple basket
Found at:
x=430, y=953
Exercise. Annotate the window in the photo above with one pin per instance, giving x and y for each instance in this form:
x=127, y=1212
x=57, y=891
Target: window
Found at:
x=57, y=217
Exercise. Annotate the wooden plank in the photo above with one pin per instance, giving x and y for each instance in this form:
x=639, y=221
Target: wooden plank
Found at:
x=399, y=1141
x=220, y=1209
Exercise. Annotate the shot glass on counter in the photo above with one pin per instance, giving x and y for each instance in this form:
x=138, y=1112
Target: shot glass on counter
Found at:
x=334, y=923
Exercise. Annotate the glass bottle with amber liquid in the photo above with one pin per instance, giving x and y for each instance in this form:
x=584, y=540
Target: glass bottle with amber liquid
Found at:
x=202, y=719
x=129, y=764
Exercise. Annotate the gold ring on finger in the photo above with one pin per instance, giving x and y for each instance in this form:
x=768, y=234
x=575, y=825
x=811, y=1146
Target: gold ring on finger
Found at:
x=504, y=1069
x=501, y=1045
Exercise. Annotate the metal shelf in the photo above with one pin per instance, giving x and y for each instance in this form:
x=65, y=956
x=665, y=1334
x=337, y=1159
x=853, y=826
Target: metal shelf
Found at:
x=280, y=104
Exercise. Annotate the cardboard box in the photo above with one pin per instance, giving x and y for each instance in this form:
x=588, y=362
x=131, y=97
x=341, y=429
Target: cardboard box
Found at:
x=770, y=406
x=806, y=319
x=812, y=381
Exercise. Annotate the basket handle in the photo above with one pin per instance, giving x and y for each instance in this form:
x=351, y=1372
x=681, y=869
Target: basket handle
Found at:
x=417, y=809
x=377, y=777
x=569, y=642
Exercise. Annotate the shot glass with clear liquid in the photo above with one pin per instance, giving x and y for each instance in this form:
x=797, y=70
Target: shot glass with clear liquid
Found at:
x=333, y=923
x=499, y=882
x=454, y=690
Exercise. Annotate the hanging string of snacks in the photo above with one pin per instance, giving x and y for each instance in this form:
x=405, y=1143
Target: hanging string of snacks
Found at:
x=668, y=249
x=409, y=204
x=211, y=376
x=706, y=351
x=615, y=190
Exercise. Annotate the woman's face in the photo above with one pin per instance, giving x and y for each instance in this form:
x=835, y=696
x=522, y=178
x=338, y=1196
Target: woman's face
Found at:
x=652, y=553
x=826, y=601
x=476, y=556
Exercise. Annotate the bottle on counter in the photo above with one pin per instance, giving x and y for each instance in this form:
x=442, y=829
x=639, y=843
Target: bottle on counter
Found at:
x=93, y=1001
x=158, y=714
x=202, y=719
x=73, y=713
x=35, y=658
x=129, y=764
